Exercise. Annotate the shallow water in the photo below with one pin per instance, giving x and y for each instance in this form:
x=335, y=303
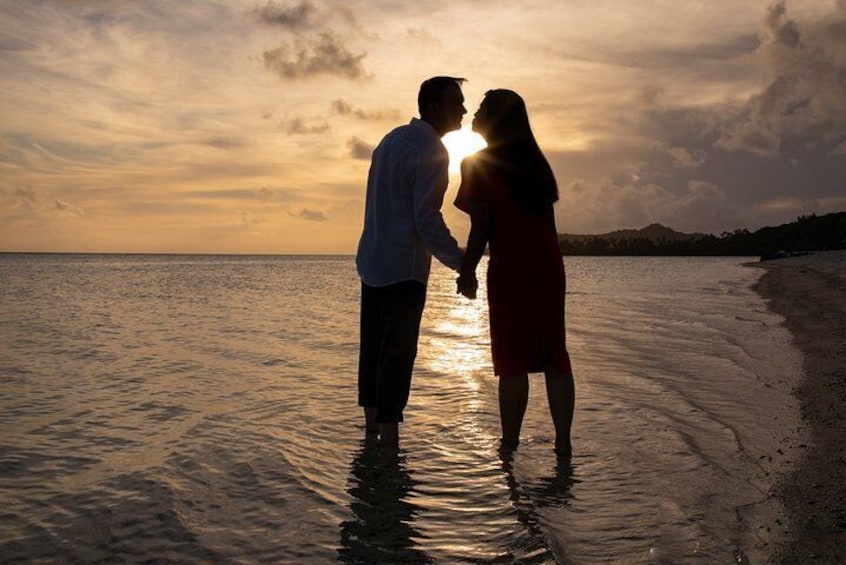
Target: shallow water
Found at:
x=202, y=408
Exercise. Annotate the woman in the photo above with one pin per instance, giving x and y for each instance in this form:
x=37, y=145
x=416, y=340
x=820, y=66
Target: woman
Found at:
x=508, y=190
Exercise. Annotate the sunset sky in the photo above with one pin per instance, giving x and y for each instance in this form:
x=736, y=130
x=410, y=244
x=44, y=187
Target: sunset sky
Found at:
x=246, y=126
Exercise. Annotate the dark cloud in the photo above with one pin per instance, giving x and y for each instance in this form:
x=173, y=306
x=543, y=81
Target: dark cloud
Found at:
x=299, y=126
x=250, y=218
x=310, y=215
x=359, y=149
x=326, y=55
x=292, y=16
x=837, y=30
x=267, y=193
x=778, y=29
x=651, y=95
x=302, y=15
x=224, y=143
x=676, y=57
x=343, y=108
x=803, y=100
x=761, y=161
x=683, y=157
x=12, y=44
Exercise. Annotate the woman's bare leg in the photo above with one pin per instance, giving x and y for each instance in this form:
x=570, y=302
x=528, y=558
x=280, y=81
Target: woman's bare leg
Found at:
x=561, y=392
x=513, y=398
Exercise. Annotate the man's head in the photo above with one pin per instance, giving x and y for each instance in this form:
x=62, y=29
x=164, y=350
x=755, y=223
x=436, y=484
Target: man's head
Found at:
x=441, y=103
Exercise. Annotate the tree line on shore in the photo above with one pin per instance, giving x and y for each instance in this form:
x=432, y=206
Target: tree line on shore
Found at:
x=807, y=233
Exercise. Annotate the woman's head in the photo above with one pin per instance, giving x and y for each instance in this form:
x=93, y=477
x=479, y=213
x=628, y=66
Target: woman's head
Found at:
x=502, y=118
x=503, y=121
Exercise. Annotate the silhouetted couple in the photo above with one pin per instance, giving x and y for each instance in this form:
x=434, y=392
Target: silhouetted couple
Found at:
x=508, y=190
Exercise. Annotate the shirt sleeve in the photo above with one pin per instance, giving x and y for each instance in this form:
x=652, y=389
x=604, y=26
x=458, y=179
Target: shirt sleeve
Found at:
x=471, y=191
x=431, y=179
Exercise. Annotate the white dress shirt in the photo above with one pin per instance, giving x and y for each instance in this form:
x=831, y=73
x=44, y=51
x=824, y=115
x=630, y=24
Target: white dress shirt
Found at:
x=403, y=225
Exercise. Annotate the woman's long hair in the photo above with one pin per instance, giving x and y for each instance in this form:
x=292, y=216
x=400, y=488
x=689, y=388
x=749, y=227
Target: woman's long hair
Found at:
x=513, y=151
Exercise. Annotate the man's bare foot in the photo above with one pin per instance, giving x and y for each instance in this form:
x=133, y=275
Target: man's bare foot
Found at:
x=389, y=434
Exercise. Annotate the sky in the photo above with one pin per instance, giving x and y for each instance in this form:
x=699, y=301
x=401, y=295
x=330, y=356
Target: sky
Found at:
x=246, y=126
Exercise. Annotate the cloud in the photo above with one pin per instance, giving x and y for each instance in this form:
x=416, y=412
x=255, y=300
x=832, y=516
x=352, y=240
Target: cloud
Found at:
x=310, y=215
x=11, y=44
x=264, y=194
x=683, y=157
x=751, y=136
x=250, y=218
x=651, y=95
x=777, y=29
x=359, y=149
x=802, y=101
x=301, y=15
x=27, y=199
x=298, y=126
x=423, y=36
x=65, y=209
x=224, y=143
x=326, y=55
x=706, y=190
x=594, y=206
x=290, y=16
x=343, y=108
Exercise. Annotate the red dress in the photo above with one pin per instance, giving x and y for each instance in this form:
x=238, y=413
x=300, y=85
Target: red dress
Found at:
x=525, y=281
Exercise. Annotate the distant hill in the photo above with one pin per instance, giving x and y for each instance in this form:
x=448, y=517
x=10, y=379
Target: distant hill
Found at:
x=652, y=232
x=807, y=233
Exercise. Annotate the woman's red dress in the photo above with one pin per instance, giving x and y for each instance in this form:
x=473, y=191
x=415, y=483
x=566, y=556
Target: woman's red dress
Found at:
x=526, y=283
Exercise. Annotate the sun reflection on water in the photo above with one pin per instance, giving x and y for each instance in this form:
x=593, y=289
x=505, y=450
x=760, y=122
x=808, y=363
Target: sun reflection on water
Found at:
x=457, y=330
x=454, y=349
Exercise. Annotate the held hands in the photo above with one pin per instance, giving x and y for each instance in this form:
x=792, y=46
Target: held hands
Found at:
x=467, y=284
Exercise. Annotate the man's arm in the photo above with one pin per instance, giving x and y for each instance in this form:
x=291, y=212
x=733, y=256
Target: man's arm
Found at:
x=430, y=184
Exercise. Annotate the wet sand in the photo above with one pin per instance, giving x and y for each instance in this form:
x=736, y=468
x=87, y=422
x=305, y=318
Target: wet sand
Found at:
x=810, y=292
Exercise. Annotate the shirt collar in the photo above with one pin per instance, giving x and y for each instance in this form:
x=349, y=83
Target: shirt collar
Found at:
x=417, y=122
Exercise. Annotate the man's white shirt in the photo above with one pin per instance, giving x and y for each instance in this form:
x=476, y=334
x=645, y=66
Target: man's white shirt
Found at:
x=403, y=225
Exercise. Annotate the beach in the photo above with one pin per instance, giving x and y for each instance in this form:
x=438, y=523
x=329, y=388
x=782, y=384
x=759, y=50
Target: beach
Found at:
x=810, y=292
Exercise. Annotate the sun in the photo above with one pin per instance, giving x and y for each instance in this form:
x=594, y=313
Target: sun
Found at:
x=460, y=144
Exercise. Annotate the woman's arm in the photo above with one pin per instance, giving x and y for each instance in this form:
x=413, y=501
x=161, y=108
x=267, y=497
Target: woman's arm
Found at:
x=477, y=240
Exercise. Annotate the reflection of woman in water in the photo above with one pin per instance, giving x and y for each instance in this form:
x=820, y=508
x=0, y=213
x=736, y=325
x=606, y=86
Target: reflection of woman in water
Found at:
x=508, y=190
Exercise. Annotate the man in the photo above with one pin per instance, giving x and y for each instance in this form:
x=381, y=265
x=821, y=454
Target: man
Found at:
x=403, y=228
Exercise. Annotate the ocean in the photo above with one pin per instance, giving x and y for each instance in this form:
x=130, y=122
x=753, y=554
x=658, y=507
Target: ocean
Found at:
x=199, y=409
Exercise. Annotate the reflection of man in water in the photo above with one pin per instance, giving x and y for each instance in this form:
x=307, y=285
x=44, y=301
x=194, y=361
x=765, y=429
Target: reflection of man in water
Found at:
x=382, y=529
x=403, y=228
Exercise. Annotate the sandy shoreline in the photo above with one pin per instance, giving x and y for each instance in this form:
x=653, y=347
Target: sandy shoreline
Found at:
x=810, y=292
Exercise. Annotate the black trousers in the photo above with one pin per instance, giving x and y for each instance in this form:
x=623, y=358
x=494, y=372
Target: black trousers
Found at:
x=390, y=326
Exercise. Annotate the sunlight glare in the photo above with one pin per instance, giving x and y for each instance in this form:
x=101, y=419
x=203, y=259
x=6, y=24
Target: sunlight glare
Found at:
x=460, y=144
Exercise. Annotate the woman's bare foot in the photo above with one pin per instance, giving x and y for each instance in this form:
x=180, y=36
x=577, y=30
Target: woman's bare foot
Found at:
x=563, y=449
x=507, y=448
